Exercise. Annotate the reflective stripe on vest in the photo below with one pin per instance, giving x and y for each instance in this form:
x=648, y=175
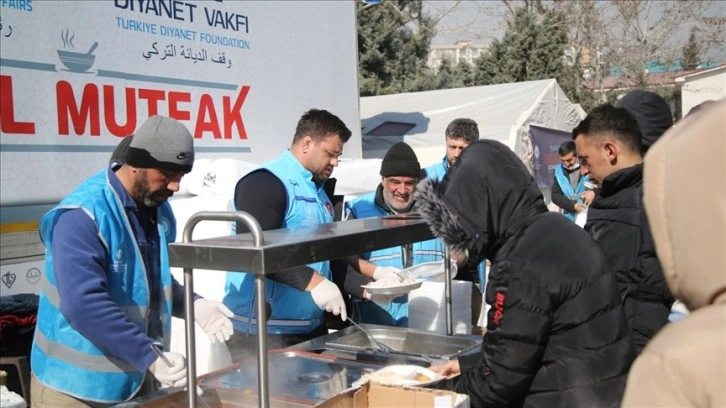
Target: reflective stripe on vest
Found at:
x=62, y=358
x=307, y=204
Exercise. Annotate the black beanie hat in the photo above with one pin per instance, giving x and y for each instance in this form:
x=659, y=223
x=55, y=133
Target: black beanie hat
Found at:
x=400, y=160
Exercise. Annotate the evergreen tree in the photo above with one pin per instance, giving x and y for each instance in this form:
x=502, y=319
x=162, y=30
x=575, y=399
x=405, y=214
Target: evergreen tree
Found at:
x=532, y=48
x=487, y=70
x=446, y=77
x=691, y=52
x=394, y=37
x=464, y=73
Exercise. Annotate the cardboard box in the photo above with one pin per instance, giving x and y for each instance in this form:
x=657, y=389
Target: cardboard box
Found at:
x=385, y=396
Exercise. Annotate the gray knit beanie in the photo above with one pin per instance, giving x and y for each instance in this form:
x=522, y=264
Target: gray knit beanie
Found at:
x=400, y=160
x=162, y=143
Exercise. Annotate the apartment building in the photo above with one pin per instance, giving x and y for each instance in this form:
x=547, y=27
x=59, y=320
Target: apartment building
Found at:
x=457, y=52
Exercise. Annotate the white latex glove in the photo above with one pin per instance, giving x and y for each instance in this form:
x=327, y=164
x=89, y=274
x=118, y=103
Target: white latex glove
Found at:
x=214, y=318
x=327, y=296
x=459, y=257
x=382, y=272
x=174, y=375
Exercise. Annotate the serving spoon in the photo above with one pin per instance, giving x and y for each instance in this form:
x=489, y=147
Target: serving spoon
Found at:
x=380, y=346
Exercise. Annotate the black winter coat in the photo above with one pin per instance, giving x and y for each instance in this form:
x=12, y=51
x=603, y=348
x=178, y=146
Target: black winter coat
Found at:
x=617, y=221
x=556, y=334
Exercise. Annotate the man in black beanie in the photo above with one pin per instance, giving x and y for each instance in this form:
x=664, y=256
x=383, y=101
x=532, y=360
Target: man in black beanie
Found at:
x=110, y=293
x=400, y=172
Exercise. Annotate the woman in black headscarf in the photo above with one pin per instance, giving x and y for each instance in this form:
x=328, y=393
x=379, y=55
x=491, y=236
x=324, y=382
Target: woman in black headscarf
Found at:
x=556, y=333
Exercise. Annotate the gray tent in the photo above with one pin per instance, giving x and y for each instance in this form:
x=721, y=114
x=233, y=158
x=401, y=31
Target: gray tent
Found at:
x=504, y=112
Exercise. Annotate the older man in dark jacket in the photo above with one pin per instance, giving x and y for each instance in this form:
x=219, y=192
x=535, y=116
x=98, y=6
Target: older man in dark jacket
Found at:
x=556, y=333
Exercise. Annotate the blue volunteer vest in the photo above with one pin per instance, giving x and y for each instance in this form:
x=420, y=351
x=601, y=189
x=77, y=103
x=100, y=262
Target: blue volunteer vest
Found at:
x=567, y=190
x=424, y=251
x=293, y=310
x=438, y=170
x=61, y=358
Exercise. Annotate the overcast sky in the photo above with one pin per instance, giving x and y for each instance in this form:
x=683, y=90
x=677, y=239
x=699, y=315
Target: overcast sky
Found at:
x=482, y=21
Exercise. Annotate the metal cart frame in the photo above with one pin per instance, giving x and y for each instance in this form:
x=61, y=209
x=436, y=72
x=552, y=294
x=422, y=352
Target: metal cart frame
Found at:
x=278, y=250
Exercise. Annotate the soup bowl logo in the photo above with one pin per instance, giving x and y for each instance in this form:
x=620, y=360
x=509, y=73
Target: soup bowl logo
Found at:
x=76, y=61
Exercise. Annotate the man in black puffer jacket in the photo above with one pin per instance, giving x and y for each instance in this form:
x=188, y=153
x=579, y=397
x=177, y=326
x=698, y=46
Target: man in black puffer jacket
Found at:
x=556, y=333
x=609, y=146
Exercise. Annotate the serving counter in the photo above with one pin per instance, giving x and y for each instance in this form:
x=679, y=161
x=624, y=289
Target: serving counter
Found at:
x=278, y=250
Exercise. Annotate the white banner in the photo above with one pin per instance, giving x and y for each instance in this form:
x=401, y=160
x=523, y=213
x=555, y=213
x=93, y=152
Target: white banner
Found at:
x=77, y=76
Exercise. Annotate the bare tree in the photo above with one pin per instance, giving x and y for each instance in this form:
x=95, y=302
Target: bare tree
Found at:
x=531, y=5
x=645, y=31
x=588, y=35
x=605, y=37
x=625, y=36
x=471, y=20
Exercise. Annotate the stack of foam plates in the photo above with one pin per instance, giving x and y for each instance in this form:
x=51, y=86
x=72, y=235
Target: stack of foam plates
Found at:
x=427, y=307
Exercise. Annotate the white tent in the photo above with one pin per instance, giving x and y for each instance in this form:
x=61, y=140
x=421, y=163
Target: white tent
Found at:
x=503, y=112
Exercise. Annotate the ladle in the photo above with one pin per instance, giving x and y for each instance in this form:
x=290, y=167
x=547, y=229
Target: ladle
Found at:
x=380, y=346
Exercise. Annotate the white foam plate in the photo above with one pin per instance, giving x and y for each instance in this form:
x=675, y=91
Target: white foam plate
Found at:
x=392, y=290
x=401, y=374
x=429, y=271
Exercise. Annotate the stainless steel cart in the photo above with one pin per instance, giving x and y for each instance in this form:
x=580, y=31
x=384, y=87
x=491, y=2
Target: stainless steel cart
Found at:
x=278, y=250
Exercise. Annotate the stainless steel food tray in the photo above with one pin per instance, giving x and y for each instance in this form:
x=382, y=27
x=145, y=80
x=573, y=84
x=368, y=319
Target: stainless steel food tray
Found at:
x=401, y=340
x=410, y=346
x=295, y=376
x=430, y=345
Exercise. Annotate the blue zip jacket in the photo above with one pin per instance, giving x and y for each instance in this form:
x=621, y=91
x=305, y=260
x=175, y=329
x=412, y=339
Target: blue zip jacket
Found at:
x=437, y=171
x=567, y=190
x=63, y=358
x=293, y=310
x=396, y=312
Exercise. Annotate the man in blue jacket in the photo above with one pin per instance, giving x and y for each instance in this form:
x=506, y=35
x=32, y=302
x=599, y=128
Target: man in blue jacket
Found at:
x=288, y=192
x=109, y=293
x=400, y=171
x=459, y=134
x=570, y=187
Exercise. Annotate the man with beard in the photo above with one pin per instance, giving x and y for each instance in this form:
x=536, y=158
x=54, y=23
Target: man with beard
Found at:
x=289, y=192
x=400, y=171
x=109, y=292
x=556, y=334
